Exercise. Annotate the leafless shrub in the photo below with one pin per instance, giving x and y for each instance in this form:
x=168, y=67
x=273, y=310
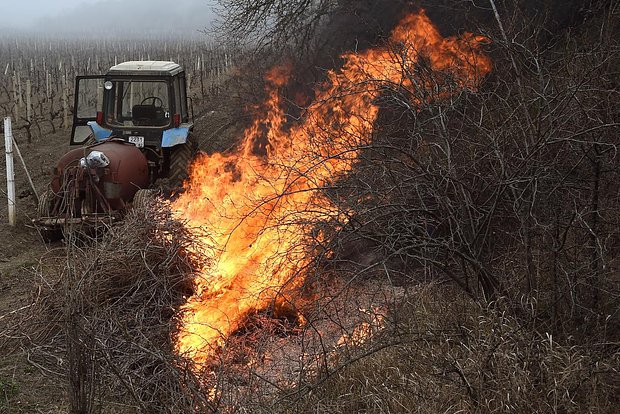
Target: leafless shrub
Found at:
x=509, y=190
x=118, y=296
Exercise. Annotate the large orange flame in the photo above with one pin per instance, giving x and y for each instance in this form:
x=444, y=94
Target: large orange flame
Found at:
x=258, y=208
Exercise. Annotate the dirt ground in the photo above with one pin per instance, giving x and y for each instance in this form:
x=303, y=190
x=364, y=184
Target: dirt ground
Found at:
x=23, y=387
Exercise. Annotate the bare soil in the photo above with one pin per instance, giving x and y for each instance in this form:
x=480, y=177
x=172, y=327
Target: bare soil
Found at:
x=24, y=388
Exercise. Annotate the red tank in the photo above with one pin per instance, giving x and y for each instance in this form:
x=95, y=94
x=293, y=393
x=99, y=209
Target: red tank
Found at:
x=103, y=177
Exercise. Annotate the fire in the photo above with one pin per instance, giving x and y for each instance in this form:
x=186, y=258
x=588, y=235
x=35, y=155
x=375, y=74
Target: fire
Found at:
x=365, y=330
x=260, y=206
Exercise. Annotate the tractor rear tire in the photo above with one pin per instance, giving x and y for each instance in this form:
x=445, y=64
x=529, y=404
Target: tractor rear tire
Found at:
x=143, y=198
x=46, y=203
x=44, y=209
x=181, y=157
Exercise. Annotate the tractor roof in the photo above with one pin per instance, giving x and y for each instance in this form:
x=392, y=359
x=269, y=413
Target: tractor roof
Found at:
x=146, y=67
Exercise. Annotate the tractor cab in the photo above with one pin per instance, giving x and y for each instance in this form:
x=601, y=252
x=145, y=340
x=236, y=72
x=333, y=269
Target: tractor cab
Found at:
x=135, y=131
x=141, y=102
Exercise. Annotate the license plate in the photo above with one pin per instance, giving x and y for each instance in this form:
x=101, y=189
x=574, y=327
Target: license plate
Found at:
x=137, y=141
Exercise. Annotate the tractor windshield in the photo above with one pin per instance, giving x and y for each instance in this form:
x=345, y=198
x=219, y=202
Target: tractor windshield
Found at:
x=138, y=104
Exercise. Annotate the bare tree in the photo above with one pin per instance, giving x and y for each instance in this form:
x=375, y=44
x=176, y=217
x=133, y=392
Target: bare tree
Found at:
x=272, y=22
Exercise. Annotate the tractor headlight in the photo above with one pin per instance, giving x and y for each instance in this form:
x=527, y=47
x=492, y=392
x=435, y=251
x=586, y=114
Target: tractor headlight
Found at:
x=96, y=159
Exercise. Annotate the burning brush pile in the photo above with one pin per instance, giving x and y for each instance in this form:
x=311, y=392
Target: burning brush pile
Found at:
x=266, y=215
x=271, y=207
x=218, y=298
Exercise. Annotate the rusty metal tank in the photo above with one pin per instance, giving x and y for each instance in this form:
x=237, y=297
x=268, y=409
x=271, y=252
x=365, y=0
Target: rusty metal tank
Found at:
x=106, y=175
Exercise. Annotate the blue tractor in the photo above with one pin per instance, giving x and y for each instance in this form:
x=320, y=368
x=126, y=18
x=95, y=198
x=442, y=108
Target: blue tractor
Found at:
x=132, y=127
x=143, y=103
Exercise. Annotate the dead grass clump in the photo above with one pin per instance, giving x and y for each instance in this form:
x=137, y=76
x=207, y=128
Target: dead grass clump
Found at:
x=453, y=356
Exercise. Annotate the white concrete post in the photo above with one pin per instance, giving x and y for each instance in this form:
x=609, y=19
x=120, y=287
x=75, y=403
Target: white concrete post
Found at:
x=10, y=171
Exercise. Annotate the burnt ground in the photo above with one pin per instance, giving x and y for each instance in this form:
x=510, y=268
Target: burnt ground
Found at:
x=26, y=387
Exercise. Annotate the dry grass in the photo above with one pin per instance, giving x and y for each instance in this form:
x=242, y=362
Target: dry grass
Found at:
x=445, y=354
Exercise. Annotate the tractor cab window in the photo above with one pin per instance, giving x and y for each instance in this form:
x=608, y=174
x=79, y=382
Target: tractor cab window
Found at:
x=180, y=98
x=138, y=104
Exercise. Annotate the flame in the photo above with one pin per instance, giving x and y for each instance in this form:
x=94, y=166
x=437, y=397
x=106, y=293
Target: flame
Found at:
x=365, y=330
x=261, y=202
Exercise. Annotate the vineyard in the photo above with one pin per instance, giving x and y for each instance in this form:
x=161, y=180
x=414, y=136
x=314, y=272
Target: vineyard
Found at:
x=37, y=75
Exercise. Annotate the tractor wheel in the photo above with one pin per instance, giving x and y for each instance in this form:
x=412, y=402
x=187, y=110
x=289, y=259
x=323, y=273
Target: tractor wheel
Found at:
x=46, y=203
x=181, y=157
x=44, y=209
x=142, y=198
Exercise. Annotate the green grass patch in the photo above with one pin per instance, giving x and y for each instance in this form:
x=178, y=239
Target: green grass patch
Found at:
x=8, y=389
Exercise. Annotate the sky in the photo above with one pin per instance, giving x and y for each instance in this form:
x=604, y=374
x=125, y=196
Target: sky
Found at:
x=83, y=15
x=24, y=13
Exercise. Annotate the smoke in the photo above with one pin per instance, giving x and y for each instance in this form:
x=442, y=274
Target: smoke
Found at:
x=358, y=25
